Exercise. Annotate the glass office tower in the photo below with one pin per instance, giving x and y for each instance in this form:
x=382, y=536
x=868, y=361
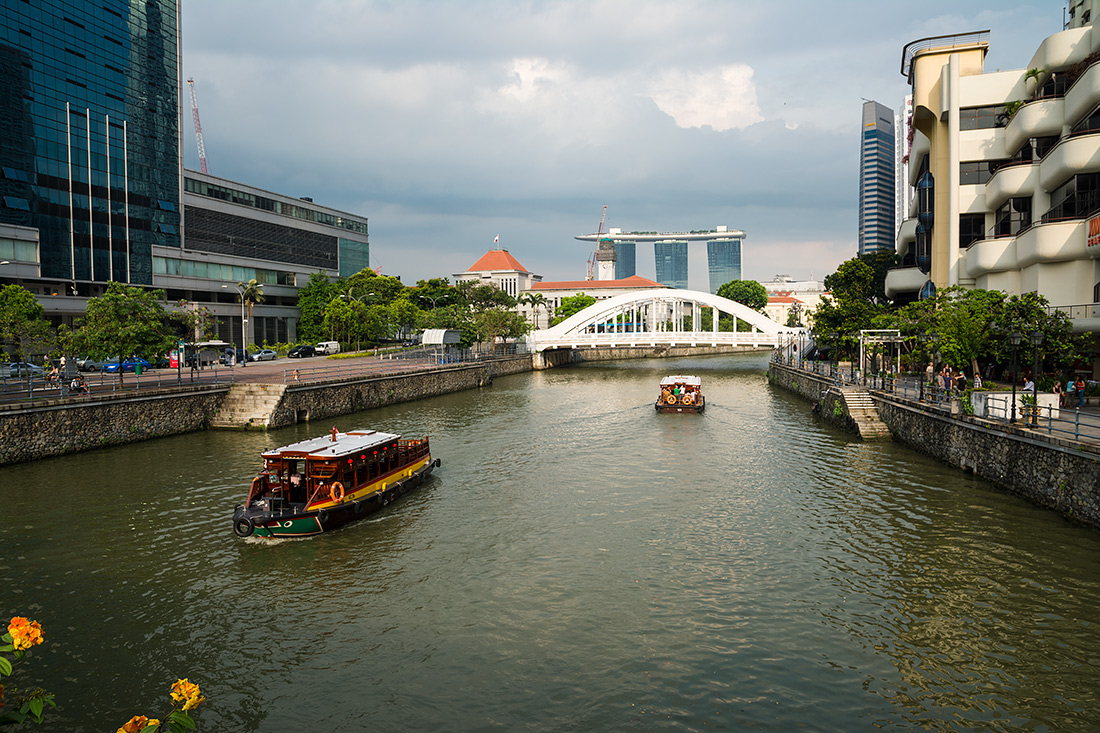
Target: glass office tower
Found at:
x=877, y=180
x=89, y=133
x=624, y=264
x=671, y=258
x=723, y=261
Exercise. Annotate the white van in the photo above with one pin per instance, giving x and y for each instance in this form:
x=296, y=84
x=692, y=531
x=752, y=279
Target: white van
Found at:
x=328, y=347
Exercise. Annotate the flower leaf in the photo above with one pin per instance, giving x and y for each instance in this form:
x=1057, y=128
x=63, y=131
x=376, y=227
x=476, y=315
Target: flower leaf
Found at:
x=5, y=666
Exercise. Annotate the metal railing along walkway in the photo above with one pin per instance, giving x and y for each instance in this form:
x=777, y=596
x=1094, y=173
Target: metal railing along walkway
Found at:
x=39, y=386
x=411, y=360
x=1068, y=423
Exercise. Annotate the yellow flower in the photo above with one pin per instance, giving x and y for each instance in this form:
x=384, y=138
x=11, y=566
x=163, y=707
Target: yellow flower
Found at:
x=24, y=633
x=188, y=693
x=137, y=723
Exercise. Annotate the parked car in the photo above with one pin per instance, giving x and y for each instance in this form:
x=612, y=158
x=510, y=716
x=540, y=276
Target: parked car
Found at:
x=328, y=347
x=128, y=365
x=22, y=369
x=264, y=355
x=302, y=351
x=89, y=364
x=230, y=354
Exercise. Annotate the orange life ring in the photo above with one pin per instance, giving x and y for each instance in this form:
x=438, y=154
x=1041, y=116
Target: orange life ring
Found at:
x=671, y=399
x=337, y=492
x=688, y=399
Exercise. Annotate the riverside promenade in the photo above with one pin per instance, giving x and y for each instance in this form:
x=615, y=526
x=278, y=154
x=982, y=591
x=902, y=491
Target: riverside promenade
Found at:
x=1053, y=461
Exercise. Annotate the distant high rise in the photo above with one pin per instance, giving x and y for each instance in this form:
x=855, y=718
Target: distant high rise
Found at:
x=723, y=261
x=877, y=179
x=671, y=257
x=625, y=265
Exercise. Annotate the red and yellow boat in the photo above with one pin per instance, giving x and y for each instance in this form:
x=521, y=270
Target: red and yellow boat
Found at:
x=681, y=393
x=321, y=484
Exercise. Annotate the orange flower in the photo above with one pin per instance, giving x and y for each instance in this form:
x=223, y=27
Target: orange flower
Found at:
x=24, y=633
x=188, y=693
x=137, y=723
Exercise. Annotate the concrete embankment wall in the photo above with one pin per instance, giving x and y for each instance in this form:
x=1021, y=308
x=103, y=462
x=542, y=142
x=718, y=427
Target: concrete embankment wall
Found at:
x=55, y=427
x=1057, y=474
x=327, y=399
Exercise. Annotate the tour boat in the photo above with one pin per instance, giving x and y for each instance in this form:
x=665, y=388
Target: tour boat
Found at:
x=681, y=393
x=321, y=484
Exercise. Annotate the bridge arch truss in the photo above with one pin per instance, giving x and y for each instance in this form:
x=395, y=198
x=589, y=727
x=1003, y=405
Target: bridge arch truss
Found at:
x=657, y=317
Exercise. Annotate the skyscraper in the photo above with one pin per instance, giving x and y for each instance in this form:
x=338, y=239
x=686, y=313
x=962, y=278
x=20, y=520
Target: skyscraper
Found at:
x=91, y=94
x=723, y=261
x=671, y=257
x=625, y=265
x=877, y=179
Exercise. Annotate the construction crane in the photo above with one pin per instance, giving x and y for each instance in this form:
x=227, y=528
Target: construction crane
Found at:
x=198, y=125
x=592, y=260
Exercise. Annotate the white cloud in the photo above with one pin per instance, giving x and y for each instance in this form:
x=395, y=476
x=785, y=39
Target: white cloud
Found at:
x=723, y=98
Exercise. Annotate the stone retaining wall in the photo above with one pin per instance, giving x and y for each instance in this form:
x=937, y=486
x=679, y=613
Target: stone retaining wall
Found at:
x=54, y=427
x=327, y=399
x=1051, y=472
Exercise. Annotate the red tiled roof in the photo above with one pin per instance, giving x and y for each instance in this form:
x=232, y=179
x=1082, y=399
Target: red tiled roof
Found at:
x=782, y=299
x=497, y=259
x=634, y=281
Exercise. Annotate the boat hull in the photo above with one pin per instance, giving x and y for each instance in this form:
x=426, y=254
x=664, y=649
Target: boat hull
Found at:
x=278, y=521
x=661, y=406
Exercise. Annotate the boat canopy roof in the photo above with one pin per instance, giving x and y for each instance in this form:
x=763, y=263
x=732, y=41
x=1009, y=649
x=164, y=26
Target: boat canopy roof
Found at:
x=682, y=379
x=325, y=447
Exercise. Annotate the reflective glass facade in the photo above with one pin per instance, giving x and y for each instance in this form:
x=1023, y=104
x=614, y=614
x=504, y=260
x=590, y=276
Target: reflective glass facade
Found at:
x=354, y=257
x=89, y=138
x=625, y=260
x=671, y=258
x=723, y=261
x=877, y=180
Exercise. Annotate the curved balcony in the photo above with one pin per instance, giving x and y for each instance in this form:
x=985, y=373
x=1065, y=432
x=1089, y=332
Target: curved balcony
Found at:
x=1062, y=50
x=904, y=280
x=1056, y=241
x=991, y=255
x=1011, y=181
x=1072, y=155
x=907, y=236
x=1040, y=118
x=1084, y=95
x=921, y=148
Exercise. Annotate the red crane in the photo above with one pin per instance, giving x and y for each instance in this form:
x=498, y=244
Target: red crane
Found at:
x=592, y=260
x=198, y=125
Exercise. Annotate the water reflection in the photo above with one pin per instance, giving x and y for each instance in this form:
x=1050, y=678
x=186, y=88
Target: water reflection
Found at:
x=578, y=562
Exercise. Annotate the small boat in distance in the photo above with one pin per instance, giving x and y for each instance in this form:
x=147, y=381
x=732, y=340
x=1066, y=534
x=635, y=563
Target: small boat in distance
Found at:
x=681, y=393
x=321, y=484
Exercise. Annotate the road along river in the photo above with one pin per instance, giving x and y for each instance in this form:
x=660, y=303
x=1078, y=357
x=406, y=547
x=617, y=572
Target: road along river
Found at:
x=579, y=562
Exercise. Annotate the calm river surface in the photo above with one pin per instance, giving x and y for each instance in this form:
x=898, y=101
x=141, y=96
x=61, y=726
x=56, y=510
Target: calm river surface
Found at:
x=578, y=563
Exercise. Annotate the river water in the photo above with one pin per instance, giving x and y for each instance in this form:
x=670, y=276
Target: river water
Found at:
x=579, y=562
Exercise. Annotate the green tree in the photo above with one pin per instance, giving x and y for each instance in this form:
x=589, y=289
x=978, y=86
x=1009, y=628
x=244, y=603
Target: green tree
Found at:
x=312, y=301
x=746, y=292
x=494, y=323
x=403, y=313
x=571, y=306
x=252, y=293
x=536, y=301
x=374, y=288
x=22, y=320
x=434, y=293
x=125, y=321
x=853, y=280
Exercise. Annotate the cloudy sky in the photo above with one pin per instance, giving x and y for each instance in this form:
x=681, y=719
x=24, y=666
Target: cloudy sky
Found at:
x=449, y=123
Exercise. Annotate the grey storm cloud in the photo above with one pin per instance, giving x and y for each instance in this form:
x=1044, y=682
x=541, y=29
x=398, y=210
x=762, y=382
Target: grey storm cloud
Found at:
x=448, y=123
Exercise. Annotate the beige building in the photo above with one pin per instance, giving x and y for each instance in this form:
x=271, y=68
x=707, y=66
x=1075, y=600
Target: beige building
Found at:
x=554, y=291
x=1006, y=166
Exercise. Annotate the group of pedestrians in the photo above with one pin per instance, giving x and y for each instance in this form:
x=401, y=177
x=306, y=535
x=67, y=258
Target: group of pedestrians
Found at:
x=948, y=379
x=1072, y=395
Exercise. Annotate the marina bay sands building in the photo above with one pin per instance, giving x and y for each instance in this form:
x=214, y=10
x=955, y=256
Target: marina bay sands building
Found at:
x=616, y=253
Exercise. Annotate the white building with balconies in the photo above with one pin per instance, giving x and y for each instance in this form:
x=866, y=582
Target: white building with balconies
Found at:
x=1006, y=167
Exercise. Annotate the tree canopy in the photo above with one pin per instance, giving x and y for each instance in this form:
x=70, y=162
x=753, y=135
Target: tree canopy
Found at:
x=572, y=305
x=746, y=292
x=22, y=319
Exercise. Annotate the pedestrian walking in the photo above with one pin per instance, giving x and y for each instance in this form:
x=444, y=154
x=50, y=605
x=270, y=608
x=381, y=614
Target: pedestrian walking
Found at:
x=1079, y=385
x=1057, y=389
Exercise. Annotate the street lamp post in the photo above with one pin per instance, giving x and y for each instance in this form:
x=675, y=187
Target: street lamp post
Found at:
x=920, y=366
x=244, y=325
x=1015, y=338
x=1036, y=341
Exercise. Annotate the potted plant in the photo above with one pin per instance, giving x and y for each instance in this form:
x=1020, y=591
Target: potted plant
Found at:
x=1031, y=80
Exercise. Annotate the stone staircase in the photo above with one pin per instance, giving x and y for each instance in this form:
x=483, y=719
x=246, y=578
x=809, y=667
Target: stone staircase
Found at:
x=248, y=406
x=861, y=409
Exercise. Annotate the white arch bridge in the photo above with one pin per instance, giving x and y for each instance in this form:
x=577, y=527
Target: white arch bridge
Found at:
x=659, y=317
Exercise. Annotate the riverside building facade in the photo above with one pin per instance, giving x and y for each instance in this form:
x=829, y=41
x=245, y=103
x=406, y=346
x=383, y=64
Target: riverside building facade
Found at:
x=93, y=190
x=1006, y=167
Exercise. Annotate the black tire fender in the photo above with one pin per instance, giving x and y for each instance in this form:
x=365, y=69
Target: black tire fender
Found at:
x=244, y=527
